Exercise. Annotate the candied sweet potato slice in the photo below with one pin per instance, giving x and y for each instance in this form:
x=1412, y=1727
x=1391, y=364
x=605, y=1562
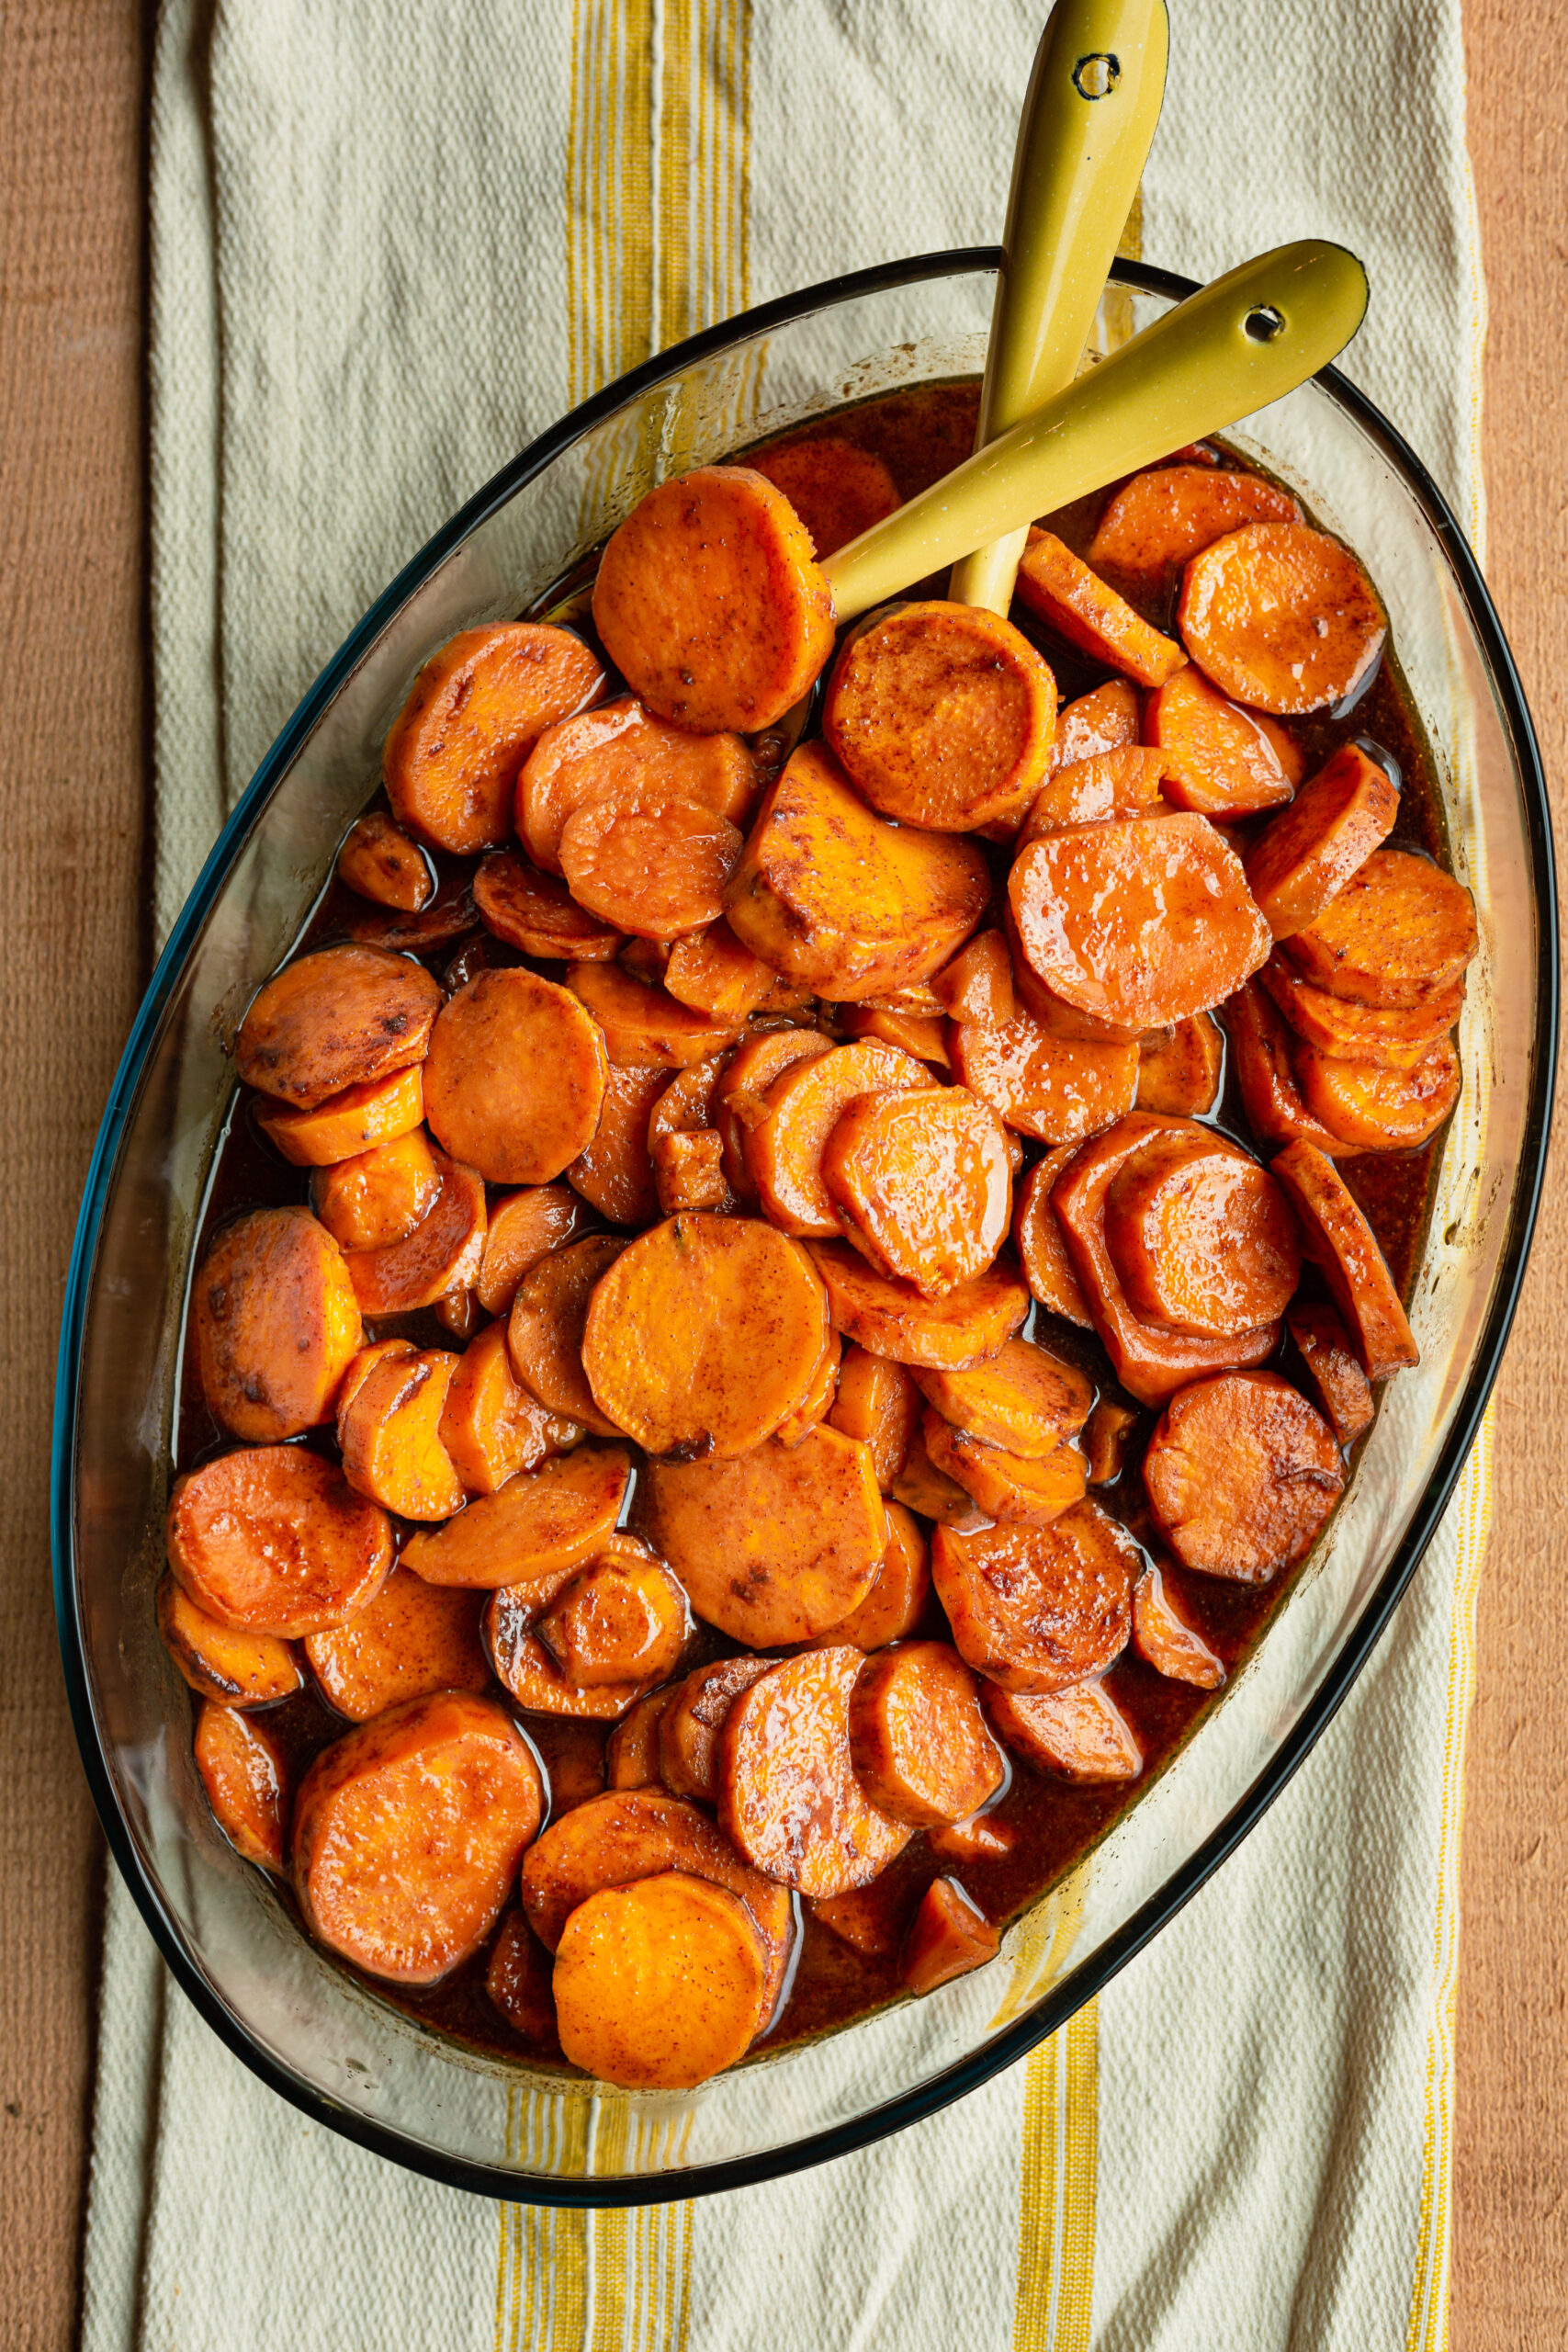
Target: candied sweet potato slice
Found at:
x=642, y=1025
x=896, y=1601
x=977, y=984
x=917, y=1741
x=789, y=1798
x=1225, y=762
x=837, y=489
x=450, y=915
x=491, y=1425
x=1107, y=1435
x=1120, y=783
x=617, y=1620
x=1302, y=859
x=631, y=1753
x=347, y=1123
x=688, y=1172
x=655, y=862
x=1103, y=720
x=704, y=1334
x=1059, y=1090
x=877, y=1401
x=523, y=1226
x=804, y=1101
x=444, y=1253
x=1282, y=617
x=526, y=1668
x=1261, y=1044
x=541, y=1522
x=1203, y=1240
x=245, y=1775
x=408, y=1832
x=871, y=1919
x=277, y=1324
x=1079, y=1734
x=922, y=1183
x=412, y=1639
x=378, y=1195
x=1344, y=1392
x=1026, y=1399
x=1038, y=1608
x=710, y=971
x=949, y=1936
x=944, y=715
x=459, y=1312
x=889, y=1318
x=813, y=1407
x=1164, y=1639
x=710, y=604
x=614, y=1172
x=514, y=1079
x=391, y=1436
x=741, y=1095
x=659, y=1985
x=1370, y=1108
x=775, y=1545
x=1139, y=922
x=613, y=753
x=1399, y=929
x=1014, y=1489
x=538, y=915
x=222, y=1662
x=378, y=862
x=1338, y=1238
x=1157, y=522
x=689, y=1727
x=921, y=1486
x=841, y=902
x=474, y=714
x=1180, y=1068
x=1042, y=1252
x=517, y=1980
x=272, y=1540
x=1398, y=1037
x=1241, y=1474
x=544, y=1330
x=923, y=1035
x=335, y=1019
x=1067, y=596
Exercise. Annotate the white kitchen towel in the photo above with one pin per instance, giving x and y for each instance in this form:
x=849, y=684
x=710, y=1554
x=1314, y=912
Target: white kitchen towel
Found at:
x=389, y=244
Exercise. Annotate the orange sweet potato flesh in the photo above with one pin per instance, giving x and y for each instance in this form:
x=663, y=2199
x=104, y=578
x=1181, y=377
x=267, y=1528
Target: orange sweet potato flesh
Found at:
x=491, y=1425
x=1343, y=1393
x=346, y=1123
x=335, y=1019
x=1180, y=1068
x=709, y=602
x=775, y=1545
x=631, y=1753
x=977, y=984
x=655, y=863
x=1056, y=1088
x=917, y=1741
x=921, y=1486
x=896, y=1601
x=1225, y=762
x=1241, y=1472
x=1061, y=589
x=1400, y=930
x=1337, y=1237
x=412, y=1639
x=390, y=1437
x=1042, y=1251
x=517, y=1981
x=706, y=1333
x=888, y=1317
x=277, y=1324
x=1280, y=617
x=922, y=1035
x=688, y=1172
x=841, y=902
x=741, y=1095
x=1203, y=1241
x=1261, y=1046
x=813, y=1407
x=1372, y=1109
x=1164, y=1639
x=523, y=1226
x=642, y=1025
x=408, y=1832
x=616, y=751
x=948, y=1937
x=784, y=1146
x=877, y=1402
x=526, y=1668
x=688, y=1104
x=617, y=1620
x=515, y=1075
x=1120, y=783
x=659, y=1985
x=944, y=715
x=245, y=1777
x=1149, y=1360
x=789, y=1798
x=378, y=862
x=1013, y=1490
x=544, y=1330
x=1157, y=522
x=1139, y=921
x=1026, y=1399
x=1107, y=1436
x=1038, y=1608
x=689, y=1727
x=1102, y=721
x=1052, y=1012
x=922, y=1183
x=1078, y=1734
x=837, y=489
x=537, y=914
x=459, y=1313
x=1304, y=857
x=614, y=1172
x=1398, y=1037
x=221, y=1662
x=474, y=713
x=541, y=1522
x=710, y=971
x=444, y=1253
x=983, y=1840
x=378, y=1195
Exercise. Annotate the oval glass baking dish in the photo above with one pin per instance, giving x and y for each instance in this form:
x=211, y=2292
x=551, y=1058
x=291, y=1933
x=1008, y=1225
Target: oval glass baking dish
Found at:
x=304, y=2025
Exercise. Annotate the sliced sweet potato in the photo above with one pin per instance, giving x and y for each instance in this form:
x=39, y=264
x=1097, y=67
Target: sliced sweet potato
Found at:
x=709, y=602
x=1038, y=1608
x=541, y=1522
x=515, y=1080
x=1102, y=721
x=813, y=1407
x=1060, y=588
x=1166, y=515
x=1120, y=783
x=888, y=1317
x=688, y=1102
x=917, y=1741
x=517, y=1980
x=277, y=1324
x=614, y=1172
x=935, y=1494
x=443, y=1253
x=379, y=861
x=1241, y=1472
x=1079, y=1734
x=1107, y=1435
x=783, y=1146
x=984, y=1839
x=1370, y=1108
x=618, y=1620
x=689, y=1727
x=837, y=489
x=524, y=1228
x=775, y=1545
x=526, y=1668
x=922, y=1182
x=711, y=971
x=1400, y=930
x=642, y=1025
x=538, y=915
x=659, y=1985
x=475, y=712
x=614, y=752
x=450, y=915
x=741, y=1095
x=1042, y=1252
x=688, y=1172
x=244, y=1773
x=922, y=1035
x=654, y=863
x=271, y=1540
x=1282, y=617
x=408, y=1832
x=378, y=1195
x=391, y=1436
x=1164, y=1639
x=977, y=984
x=1203, y=1240
x=413, y=1638
x=1396, y=1038
x=1180, y=1068
x=1014, y=1489
x=335, y=1019
x=704, y=1334
x=347, y=1123
x=1057, y=1088
x=1262, y=1042
x=544, y=1330
x=877, y=1401
x=631, y=1754
x=1140, y=923
x=841, y=902
x=896, y=1601
x=1053, y=1013
x=491, y=1425
x=461, y=1313
x=949, y=1935
x=1343, y=1393
x=221, y=1662
x=1225, y=762
x=1304, y=859
x=789, y=1799
x=1338, y=1238
x=871, y=1919
x=1026, y=1399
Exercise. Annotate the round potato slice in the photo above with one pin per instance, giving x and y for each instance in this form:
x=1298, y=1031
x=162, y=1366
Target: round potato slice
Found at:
x=614, y=1174
x=277, y=1324
x=273, y=1540
x=1057, y=1088
x=888, y=1317
x=1203, y=1240
x=523, y=1226
x=1180, y=1069
x=922, y=1183
x=1282, y=617
x=918, y=1740
x=1037, y=1608
x=514, y=1078
x=391, y=1436
x=614, y=752
x=804, y=1102
x=838, y=490
x=1304, y=859
x=378, y=862
x=1338, y=1238
x=247, y=1779
x=336, y=1019
x=643, y=1025
x=896, y=1601
x=690, y=1725
x=1241, y=1474
x=1042, y=1253
x=1164, y=516
x=877, y=1401
x=219, y=1661
x=654, y=861
x=346, y=1123
x=659, y=1984
x=617, y=1620
x=789, y=1799
x=378, y=1195
x=525, y=1667
x=538, y=915
x=443, y=1253
x=631, y=1752
x=491, y=1426
x=704, y=1334
x=1370, y=1108
x=1026, y=1399
x=1391, y=1037
x=1079, y=1734
x=412, y=1639
x=541, y=1520
x=1015, y=1489
x=544, y=1330
x=1399, y=931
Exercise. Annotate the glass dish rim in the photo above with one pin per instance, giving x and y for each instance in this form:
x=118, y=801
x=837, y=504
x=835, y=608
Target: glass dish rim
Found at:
x=1082, y=1983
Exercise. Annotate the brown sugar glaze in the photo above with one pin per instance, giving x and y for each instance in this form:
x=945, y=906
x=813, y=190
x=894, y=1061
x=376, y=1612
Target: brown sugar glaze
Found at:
x=919, y=434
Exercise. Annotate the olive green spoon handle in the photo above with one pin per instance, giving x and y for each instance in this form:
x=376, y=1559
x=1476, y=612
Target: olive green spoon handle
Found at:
x=1249, y=338
x=1084, y=136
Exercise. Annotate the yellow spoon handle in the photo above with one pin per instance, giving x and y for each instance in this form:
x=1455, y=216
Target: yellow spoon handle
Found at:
x=1249, y=338
x=1083, y=138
